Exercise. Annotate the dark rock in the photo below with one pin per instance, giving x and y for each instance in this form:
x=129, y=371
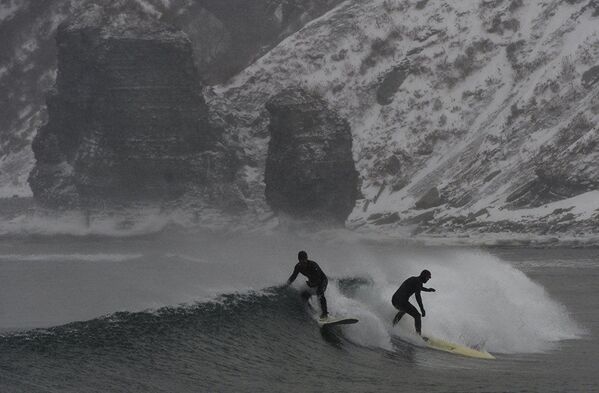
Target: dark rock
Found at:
x=461, y=199
x=310, y=172
x=514, y=54
x=399, y=183
x=560, y=210
x=567, y=217
x=375, y=216
x=515, y=4
x=432, y=198
x=470, y=61
x=391, y=82
x=421, y=4
x=498, y=25
x=380, y=192
x=393, y=165
x=507, y=226
x=474, y=225
x=491, y=175
x=46, y=147
x=543, y=190
x=414, y=51
x=127, y=120
x=593, y=5
x=365, y=206
x=590, y=77
x=460, y=220
x=380, y=48
x=393, y=168
x=480, y=213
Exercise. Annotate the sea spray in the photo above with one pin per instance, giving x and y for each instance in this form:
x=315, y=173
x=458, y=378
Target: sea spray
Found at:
x=481, y=301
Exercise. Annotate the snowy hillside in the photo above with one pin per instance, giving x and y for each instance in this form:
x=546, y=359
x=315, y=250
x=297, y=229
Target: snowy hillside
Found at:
x=471, y=116
x=468, y=118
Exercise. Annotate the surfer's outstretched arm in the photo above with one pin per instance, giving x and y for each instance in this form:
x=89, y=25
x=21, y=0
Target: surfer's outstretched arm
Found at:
x=428, y=289
x=293, y=275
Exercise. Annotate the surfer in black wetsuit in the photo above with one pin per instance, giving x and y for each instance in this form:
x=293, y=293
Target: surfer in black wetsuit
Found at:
x=401, y=297
x=317, y=280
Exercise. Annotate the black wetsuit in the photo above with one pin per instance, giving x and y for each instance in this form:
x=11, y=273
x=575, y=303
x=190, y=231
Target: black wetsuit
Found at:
x=401, y=300
x=316, y=279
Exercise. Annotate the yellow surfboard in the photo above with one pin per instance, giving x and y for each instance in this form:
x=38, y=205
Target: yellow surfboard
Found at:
x=446, y=346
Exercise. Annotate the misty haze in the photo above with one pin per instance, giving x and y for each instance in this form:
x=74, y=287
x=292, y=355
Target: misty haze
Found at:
x=299, y=196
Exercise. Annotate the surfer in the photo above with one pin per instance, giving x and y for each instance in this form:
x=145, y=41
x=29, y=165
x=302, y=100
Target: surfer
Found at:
x=317, y=280
x=401, y=298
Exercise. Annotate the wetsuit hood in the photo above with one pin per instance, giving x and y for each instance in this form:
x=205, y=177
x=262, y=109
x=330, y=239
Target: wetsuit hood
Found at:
x=425, y=275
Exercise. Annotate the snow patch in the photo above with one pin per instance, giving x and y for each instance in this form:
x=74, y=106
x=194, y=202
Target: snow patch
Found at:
x=583, y=206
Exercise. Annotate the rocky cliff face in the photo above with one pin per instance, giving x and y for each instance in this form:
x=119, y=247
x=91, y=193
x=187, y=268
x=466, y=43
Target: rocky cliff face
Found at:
x=467, y=117
x=310, y=172
x=127, y=120
x=225, y=35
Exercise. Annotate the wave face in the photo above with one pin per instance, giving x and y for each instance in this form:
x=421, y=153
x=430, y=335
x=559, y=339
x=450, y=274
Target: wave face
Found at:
x=237, y=342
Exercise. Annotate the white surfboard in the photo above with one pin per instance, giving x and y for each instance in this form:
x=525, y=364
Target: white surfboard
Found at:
x=332, y=321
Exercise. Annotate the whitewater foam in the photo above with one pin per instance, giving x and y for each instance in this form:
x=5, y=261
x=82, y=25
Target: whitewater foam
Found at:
x=481, y=301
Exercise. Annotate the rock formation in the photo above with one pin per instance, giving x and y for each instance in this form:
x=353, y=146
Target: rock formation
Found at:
x=310, y=172
x=127, y=120
x=226, y=36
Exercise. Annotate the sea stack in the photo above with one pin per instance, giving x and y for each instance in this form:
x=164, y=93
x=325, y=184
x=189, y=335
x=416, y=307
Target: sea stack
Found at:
x=310, y=172
x=127, y=119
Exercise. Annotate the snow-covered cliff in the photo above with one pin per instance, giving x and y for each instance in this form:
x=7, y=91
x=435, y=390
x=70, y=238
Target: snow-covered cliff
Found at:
x=467, y=117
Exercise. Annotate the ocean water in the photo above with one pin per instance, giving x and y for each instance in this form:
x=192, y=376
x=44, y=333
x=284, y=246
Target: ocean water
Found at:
x=206, y=312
